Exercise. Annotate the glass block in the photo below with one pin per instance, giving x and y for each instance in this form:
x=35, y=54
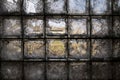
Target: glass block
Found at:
x=33, y=27
x=100, y=7
x=34, y=71
x=78, y=71
x=78, y=49
x=101, y=71
x=33, y=6
x=77, y=26
x=11, y=71
x=34, y=49
x=116, y=26
x=11, y=27
x=100, y=27
x=55, y=6
x=10, y=6
x=116, y=48
x=116, y=68
x=116, y=7
x=101, y=48
x=78, y=7
x=56, y=48
x=11, y=50
x=56, y=71
x=56, y=26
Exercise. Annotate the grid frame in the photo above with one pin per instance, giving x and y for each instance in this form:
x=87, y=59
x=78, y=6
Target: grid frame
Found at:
x=67, y=38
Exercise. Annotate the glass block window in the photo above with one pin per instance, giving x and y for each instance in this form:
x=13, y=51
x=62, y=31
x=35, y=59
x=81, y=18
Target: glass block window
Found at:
x=59, y=39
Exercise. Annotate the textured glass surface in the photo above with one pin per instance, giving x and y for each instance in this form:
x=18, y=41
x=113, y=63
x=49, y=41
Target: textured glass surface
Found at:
x=77, y=6
x=11, y=50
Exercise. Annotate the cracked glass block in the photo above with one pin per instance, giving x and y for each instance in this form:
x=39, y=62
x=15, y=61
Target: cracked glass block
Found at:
x=101, y=48
x=34, y=49
x=78, y=26
x=55, y=6
x=78, y=71
x=11, y=71
x=33, y=27
x=100, y=27
x=11, y=50
x=116, y=68
x=11, y=27
x=10, y=6
x=56, y=71
x=56, y=48
x=77, y=6
x=33, y=6
x=56, y=26
x=101, y=71
x=78, y=49
x=34, y=71
x=116, y=48
x=116, y=7
x=116, y=26
x=100, y=6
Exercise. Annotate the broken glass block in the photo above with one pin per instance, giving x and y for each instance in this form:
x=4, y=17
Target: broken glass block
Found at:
x=33, y=6
x=100, y=27
x=78, y=71
x=56, y=27
x=10, y=6
x=11, y=71
x=55, y=6
x=34, y=71
x=101, y=71
x=116, y=48
x=77, y=7
x=56, y=48
x=116, y=26
x=78, y=49
x=78, y=26
x=56, y=71
x=101, y=49
x=100, y=6
x=11, y=50
x=33, y=27
x=11, y=27
x=116, y=7
x=34, y=49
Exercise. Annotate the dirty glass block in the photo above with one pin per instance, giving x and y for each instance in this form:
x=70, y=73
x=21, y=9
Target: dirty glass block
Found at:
x=33, y=27
x=78, y=49
x=116, y=48
x=101, y=71
x=116, y=7
x=11, y=50
x=100, y=7
x=116, y=26
x=116, y=68
x=78, y=7
x=10, y=6
x=101, y=48
x=56, y=71
x=34, y=71
x=33, y=6
x=34, y=49
x=78, y=71
x=56, y=48
x=100, y=27
x=56, y=26
x=11, y=27
x=78, y=26
x=11, y=71
x=55, y=6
